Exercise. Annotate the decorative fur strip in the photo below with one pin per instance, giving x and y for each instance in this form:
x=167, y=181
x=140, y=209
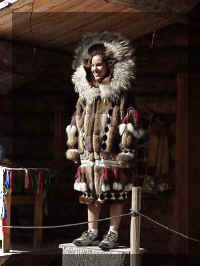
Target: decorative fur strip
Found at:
x=105, y=187
x=117, y=186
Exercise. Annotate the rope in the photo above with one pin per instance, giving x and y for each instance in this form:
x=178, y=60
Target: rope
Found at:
x=166, y=227
x=65, y=225
x=102, y=220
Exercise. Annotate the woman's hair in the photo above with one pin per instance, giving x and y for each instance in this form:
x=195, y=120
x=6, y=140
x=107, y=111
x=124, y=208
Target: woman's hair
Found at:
x=98, y=49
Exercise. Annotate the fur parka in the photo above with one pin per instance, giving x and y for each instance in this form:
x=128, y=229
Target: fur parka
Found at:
x=102, y=133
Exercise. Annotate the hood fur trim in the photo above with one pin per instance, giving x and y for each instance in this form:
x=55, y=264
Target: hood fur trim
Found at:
x=123, y=71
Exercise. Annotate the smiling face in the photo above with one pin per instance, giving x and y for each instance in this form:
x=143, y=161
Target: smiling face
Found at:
x=98, y=68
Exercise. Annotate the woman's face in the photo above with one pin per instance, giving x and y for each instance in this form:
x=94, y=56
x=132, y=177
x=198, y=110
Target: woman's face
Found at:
x=98, y=68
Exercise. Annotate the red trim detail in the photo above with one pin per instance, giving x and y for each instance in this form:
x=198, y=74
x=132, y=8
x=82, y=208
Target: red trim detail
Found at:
x=105, y=173
x=77, y=173
x=3, y=224
x=127, y=116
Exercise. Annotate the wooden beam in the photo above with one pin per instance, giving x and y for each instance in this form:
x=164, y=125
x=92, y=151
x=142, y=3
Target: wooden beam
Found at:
x=155, y=6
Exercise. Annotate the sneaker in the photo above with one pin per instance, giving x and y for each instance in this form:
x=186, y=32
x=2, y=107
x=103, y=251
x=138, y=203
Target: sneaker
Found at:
x=87, y=238
x=109, y=241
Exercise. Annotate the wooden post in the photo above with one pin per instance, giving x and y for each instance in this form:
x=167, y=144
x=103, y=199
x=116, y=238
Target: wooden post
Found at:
x=135, y=257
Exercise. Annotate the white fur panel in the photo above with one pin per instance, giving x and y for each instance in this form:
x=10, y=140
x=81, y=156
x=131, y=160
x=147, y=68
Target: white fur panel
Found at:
x=122, y=127
x=137, y=133
x=117, y=186
x=130, y=128
x=81, y=186
x=105, y=188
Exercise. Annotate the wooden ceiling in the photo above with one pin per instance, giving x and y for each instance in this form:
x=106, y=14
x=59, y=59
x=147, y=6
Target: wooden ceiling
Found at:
x=60, y=23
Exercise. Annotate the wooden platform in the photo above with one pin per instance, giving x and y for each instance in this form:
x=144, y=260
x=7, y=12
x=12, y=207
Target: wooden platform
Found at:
x=31, y=257
x=94, y=256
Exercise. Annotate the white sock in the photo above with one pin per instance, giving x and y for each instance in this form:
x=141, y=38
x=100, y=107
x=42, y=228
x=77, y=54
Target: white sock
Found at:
x=93, y=230
x=112, y=229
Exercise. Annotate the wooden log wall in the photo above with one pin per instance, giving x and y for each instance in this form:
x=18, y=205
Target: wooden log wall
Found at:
x=28, y=110
x=35, y=109
x=158, y=62
x=167, y=83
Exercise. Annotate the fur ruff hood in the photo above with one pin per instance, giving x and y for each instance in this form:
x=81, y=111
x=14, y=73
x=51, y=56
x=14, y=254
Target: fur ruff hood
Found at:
x=123, y=71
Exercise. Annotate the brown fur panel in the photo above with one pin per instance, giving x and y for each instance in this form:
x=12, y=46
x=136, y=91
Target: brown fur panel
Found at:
x=98, y=178
x=89, y=177
x=80, y=143
x=73, y=154
x=127, y=140
x=88, y=143
x=115, y=116
x=100, y=123
x=97, y=143
x=80, y=114
x=103, y=107
x=88, y=124
x=72, y=140
x=112, y=139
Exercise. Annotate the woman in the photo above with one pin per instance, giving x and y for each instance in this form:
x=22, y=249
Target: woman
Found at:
x=103, y=128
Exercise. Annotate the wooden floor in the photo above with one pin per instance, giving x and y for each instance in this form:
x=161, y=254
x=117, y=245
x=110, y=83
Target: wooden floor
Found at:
x=23, y=256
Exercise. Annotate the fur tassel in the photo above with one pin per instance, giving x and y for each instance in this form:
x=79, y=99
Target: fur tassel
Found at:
x=128, y=187
x=105, y=188
x=138, y=133
x=117, y=186
x=122, y=128
x=130, y=128
x=73, y=154
x=71, y=129
x=81, y=186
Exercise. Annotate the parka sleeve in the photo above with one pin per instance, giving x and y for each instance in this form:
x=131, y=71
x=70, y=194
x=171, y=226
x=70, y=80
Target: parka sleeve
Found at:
x=72, y=152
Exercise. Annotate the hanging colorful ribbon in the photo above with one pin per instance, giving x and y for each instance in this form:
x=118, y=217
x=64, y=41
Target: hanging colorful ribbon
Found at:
x=7, y=180
x=3, y=216
x=77, y=173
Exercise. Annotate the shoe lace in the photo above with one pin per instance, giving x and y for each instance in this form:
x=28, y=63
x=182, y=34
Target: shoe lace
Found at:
x=111, y=236
x=86, y=235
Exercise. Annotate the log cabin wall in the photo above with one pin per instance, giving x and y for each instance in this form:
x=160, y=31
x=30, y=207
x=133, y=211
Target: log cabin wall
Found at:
x=35, y=117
